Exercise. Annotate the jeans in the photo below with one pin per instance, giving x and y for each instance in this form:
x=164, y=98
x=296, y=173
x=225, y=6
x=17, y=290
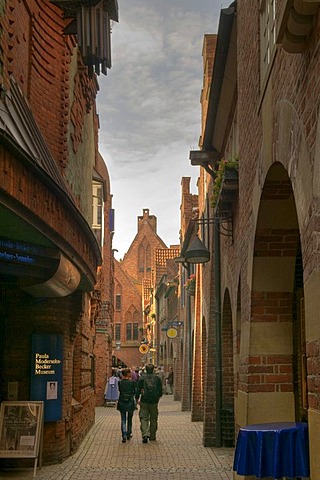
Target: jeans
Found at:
x=126, y=423
x=148, y=415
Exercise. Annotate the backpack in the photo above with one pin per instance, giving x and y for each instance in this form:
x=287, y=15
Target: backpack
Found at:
x=150, y=388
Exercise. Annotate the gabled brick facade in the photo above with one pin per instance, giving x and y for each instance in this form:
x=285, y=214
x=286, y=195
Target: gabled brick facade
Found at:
x=135, y=279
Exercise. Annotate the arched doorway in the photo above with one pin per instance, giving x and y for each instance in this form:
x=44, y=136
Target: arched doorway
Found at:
x=227, y=403
x=273, y=351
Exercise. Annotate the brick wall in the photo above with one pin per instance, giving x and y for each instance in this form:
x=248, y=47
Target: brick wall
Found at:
x=49, y=317
x=45, y=65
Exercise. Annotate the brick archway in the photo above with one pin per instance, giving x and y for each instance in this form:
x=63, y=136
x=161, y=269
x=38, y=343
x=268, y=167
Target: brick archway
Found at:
x=271, y=374
x=227, y=401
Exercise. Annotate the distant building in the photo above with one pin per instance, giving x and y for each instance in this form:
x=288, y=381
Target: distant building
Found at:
x=136, y=277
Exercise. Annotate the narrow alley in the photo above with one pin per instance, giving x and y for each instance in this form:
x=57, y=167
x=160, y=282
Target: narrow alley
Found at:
x=176, y=454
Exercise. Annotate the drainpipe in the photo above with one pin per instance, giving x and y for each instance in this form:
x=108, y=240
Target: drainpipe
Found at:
x=218, y=369
x=189, y=318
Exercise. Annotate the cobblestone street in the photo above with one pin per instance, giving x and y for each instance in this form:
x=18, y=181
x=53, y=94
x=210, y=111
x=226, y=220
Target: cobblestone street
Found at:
x=176, y=454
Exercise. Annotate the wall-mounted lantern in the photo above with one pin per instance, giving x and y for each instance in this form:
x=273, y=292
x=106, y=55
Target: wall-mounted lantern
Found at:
x=92, y=25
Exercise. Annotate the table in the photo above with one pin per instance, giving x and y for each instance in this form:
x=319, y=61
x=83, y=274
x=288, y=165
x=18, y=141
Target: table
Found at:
x=273, y=450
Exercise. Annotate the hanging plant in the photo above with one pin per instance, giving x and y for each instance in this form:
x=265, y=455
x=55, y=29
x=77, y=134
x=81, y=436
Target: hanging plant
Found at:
x=224, y=167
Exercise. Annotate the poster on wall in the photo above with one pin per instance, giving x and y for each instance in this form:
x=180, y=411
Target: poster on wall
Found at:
x=21, y=426
x=47, y=373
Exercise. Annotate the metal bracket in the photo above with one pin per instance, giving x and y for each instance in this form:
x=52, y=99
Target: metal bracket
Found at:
x=225, y=222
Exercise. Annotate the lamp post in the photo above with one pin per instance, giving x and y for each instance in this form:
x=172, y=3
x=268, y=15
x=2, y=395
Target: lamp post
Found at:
x=186, y=265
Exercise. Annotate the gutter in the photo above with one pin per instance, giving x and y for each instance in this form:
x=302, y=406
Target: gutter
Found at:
x=222, y=49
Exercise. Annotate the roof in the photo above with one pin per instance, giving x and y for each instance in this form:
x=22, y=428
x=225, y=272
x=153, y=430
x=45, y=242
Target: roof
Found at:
x=222, y=79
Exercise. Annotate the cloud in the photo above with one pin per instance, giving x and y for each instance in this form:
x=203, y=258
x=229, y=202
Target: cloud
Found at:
x=149, y=109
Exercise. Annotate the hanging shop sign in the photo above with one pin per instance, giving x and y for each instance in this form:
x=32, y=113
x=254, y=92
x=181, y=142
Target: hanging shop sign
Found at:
x=172, y=332
x=143, y=348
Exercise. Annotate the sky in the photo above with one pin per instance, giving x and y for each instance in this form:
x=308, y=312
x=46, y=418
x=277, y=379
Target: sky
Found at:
x=149, y=110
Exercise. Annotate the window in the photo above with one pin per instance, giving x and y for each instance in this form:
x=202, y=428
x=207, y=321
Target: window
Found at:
x=267, y=33
x=118, y=302
x=129, y=331
x=97, y=210
x=118, y=332
x=135, y=335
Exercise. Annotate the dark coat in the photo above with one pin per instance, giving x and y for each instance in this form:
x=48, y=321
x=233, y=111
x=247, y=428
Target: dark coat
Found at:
x=127, y=391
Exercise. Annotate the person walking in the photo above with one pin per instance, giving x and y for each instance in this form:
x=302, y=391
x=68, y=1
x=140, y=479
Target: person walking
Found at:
x=126, y=403
x=148, y=394
x=169, y=382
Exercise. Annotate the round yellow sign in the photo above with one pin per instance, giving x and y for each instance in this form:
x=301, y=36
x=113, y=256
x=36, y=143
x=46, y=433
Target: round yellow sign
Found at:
x=143, y=348
x=172, y=332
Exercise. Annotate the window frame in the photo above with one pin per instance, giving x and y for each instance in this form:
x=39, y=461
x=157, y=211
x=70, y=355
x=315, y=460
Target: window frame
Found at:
x=117, y=331
x=129, y=332
x=118, y=302
x=98, y=210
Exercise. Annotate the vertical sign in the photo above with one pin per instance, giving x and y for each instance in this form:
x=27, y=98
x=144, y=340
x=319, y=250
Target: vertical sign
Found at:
x=46, y=374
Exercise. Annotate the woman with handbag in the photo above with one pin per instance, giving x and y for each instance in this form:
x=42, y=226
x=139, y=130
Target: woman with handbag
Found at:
x=126, y=403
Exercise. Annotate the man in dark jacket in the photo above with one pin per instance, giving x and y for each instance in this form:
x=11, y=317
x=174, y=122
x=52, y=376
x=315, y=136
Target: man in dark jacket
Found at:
x=148, y=393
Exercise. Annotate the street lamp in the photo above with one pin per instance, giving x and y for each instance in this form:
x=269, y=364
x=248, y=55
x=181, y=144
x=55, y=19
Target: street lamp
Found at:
x=197, y=252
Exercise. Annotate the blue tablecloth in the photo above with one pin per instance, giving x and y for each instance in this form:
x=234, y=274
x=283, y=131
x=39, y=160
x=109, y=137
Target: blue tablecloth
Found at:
x=273, y=450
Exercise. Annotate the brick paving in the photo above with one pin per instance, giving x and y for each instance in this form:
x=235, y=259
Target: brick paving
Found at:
x=177, y=454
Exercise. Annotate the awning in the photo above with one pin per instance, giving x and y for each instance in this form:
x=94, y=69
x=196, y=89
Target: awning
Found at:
x=63, y=282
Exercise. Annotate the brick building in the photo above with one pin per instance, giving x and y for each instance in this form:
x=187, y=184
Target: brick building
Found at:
x=54, y=192
x=263, y=114
x=136, y=280
x=104, y=288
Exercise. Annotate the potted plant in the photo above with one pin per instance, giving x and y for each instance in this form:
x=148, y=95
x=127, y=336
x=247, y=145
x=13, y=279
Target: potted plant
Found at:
x=227, y=171
x=191, y=284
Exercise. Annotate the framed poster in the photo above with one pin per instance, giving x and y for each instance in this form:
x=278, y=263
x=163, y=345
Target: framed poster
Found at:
x=21, y=425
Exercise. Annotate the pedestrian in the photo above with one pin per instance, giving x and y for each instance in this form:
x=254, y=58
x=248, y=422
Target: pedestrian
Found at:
x=148, y=394
x=126, y=403
x=169, y=382
x=111, y=393
x=160, y=374
x=135, y=374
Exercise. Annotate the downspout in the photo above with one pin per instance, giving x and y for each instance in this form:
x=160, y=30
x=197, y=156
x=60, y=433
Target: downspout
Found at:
x=189, y=341
x=217, y=293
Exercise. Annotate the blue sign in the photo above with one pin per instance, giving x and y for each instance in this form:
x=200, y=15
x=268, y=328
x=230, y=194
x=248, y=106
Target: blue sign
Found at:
x=47, y=374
